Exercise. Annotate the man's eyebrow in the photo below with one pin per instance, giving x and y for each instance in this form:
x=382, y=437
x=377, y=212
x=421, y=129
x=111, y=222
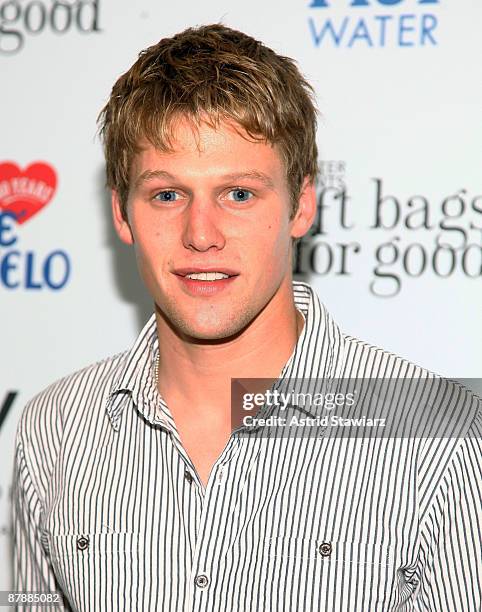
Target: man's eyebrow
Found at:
x=256, y=175
x=250, y=174
x=148, y=175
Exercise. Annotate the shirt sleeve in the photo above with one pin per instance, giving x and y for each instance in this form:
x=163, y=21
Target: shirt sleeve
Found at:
x=32, y=570
x=450, y=568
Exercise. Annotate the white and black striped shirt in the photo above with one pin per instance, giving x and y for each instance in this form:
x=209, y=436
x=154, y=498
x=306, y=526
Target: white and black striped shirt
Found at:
x=108, y=507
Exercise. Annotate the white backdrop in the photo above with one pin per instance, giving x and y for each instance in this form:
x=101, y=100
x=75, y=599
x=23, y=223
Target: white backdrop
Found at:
x=399, y=88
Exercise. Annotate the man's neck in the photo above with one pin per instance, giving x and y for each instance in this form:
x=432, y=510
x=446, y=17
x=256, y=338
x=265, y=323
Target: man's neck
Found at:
x=199, y=375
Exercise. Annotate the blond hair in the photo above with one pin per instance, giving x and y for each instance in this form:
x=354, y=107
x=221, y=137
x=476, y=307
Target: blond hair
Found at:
x=220, y=74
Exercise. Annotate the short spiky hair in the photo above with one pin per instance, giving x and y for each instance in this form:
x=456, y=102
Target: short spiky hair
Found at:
x=220, y=74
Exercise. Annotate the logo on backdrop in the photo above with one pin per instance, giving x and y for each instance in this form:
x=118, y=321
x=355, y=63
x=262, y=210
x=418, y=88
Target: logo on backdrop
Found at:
x=402, y=238
x=365, y=24
x=23, y=195
x=21, y=19
x=6, y=405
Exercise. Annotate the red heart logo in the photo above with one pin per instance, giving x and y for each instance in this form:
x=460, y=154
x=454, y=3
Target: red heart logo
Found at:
x=25, y=193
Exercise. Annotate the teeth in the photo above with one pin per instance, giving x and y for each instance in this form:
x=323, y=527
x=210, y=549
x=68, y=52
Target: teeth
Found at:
x=209, y=276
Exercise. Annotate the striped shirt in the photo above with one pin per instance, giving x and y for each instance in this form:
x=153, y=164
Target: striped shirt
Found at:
x=109, y=509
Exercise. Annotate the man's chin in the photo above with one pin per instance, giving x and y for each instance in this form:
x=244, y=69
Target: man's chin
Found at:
x=216, y=333
x=205, y=327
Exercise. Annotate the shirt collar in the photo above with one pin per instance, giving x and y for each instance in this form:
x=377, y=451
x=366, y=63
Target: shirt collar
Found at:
x=135, y=377
x=318, y=354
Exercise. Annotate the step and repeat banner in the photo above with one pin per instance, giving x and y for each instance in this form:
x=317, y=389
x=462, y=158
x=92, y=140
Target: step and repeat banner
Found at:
x=395, y=252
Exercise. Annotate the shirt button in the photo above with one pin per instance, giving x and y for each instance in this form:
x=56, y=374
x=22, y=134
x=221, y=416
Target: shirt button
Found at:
x=82, y=543
x=188, y=476
x=325, y=549
x=201, y=581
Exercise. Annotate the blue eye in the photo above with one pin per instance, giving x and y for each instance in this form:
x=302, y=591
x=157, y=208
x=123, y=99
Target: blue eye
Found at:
x=241, y=195
x=166, y=196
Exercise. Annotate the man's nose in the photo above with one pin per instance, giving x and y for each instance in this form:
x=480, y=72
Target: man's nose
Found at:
x=202, y=226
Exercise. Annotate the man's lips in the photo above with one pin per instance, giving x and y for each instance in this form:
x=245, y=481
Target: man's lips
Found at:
x=203, y=287
x=199, y=270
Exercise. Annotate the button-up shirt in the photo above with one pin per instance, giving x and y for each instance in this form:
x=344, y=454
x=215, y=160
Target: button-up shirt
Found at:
x=110, y=511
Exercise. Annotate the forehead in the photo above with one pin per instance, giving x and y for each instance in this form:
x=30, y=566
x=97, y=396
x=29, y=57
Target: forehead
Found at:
x=207, y=150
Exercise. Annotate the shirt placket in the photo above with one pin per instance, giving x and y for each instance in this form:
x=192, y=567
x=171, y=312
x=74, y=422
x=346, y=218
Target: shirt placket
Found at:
x=209, y=514
x=213, y=537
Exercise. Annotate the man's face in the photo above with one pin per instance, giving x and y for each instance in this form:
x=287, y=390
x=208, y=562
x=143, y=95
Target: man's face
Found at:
x=217, y=207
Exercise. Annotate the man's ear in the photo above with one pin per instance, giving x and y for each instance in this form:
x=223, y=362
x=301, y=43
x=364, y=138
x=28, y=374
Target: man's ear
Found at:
x=306, y=213
x=121, y=225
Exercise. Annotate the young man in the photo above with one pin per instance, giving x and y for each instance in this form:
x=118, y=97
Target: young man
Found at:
x=133, y=492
